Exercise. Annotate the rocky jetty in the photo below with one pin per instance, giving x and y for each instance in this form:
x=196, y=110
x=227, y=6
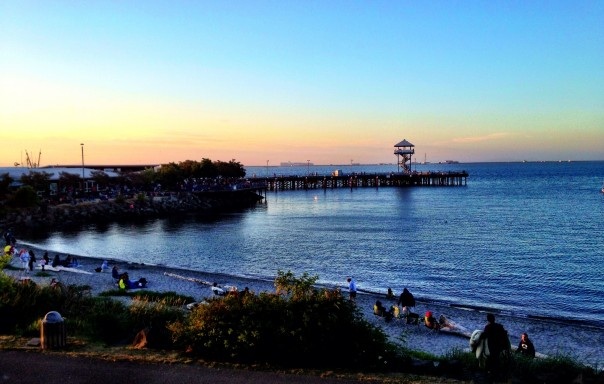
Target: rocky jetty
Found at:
x=73, y=215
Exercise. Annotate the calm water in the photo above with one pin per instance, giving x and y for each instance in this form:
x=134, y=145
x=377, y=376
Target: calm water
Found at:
x=523, y=238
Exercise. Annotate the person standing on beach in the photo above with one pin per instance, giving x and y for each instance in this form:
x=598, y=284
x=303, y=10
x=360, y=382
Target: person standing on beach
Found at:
x=497, y=341
x=45, y=258
x=32, y=260
x=406, y=299
x=352, y=289
x=24, y=256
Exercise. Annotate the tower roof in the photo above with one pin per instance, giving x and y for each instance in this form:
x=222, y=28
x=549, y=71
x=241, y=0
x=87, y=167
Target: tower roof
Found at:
x=404, y=143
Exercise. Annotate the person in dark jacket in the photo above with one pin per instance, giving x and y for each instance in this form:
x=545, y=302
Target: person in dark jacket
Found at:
x=525, y=346
x=497, y=341
x=406, y=299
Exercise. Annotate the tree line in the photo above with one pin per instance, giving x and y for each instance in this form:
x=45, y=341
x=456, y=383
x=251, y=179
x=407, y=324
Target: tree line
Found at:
x=170, y=176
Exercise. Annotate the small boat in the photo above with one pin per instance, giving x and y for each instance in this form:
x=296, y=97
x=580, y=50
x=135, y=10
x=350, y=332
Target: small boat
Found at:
x=602, y=189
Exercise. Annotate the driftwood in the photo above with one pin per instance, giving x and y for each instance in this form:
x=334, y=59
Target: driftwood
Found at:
x=191, y=279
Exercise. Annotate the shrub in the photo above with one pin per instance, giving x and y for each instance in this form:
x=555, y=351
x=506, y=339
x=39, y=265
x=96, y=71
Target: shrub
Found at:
x=318, y=329
x=105, y=320
x=24, y=303
x=5, y=261
x=155, y=314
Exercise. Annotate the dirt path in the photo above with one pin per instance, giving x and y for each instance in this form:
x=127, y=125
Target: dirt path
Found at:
x=34, y=367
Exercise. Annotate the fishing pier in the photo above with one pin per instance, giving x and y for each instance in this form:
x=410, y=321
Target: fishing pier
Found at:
x=287, y=183
x=404, y=151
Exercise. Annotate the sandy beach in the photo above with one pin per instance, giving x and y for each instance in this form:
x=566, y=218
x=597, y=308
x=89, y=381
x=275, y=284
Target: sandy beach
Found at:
x=550, y=338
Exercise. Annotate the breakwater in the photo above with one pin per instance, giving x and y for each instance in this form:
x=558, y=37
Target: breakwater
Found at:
x=138, y=207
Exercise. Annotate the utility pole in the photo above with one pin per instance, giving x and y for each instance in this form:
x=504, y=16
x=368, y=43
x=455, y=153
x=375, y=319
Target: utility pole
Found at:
x=82, y=145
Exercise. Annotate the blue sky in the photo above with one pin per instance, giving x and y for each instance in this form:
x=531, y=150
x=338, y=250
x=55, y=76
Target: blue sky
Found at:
x=151, y=82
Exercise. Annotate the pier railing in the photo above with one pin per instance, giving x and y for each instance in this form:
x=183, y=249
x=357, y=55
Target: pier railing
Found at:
x=362, y=180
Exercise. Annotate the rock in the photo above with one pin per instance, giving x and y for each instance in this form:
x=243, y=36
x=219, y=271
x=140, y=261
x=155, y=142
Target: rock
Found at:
x=141, y=339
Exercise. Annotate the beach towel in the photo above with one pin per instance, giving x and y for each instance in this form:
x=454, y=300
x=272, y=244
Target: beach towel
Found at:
x=480, y=347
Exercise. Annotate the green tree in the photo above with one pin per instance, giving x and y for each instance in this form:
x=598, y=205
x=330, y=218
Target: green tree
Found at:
x=190, y=168
x=208, y=168
x=25, y=196
x=297, y=287
x=138, y=180
x=39, y=181
x=5, y=183
x=231, y=169
x=101, y=179
x=69, y=180
x=149, y=177
x=170, y=176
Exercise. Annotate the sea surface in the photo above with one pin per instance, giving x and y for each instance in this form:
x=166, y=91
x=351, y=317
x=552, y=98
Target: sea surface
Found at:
x=524, y=239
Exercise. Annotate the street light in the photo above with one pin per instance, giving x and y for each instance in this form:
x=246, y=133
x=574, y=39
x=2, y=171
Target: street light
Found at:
x=82, y=145
x=266, y=168
x=308, y=167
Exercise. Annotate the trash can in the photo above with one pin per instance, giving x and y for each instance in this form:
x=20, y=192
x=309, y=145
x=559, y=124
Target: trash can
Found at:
x=52, y=331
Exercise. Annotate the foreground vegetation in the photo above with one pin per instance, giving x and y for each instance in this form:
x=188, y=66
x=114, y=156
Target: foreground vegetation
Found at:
x=296, y=327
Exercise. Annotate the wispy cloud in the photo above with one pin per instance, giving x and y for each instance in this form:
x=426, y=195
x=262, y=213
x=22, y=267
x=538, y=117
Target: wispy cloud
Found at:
x=476, y=139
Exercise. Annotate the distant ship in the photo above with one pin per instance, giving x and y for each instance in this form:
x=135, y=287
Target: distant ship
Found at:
x=295, y=164
x=450, y=162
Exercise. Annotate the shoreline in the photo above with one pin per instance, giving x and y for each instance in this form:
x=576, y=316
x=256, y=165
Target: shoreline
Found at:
x=551, y=338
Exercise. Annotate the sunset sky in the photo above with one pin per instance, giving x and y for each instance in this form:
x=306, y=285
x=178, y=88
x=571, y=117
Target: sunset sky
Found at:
x=150, y=82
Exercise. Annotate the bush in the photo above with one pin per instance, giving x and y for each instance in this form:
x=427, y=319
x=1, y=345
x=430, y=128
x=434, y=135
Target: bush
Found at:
x=319, y=329
x=105, y=320
x=5, y=261
x=155, y=314
x=24, y=303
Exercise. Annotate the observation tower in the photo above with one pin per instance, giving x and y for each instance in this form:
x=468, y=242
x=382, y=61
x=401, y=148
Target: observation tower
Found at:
x=404, y=151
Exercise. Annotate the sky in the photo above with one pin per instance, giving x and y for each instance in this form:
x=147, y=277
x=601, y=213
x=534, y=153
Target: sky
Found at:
x=330, y=82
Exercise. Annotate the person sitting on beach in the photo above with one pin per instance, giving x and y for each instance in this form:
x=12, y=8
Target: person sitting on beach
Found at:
x=217, y=290
x=104, y=266
x=390, y=294
x=115, y=272
x=526, y=347
x=9, y=250
x=126, y=283
x=70, y=262
x=380, y=310
x=410, y=317
x=246, y=291
x=430, y=321
x=231, y=290
x=56, y=261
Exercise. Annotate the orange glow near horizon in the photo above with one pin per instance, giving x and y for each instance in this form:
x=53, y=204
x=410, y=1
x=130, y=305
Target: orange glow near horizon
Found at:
x=211, y=81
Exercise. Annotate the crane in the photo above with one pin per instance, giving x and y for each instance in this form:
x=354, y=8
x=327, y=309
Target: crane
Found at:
x=31, y=164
